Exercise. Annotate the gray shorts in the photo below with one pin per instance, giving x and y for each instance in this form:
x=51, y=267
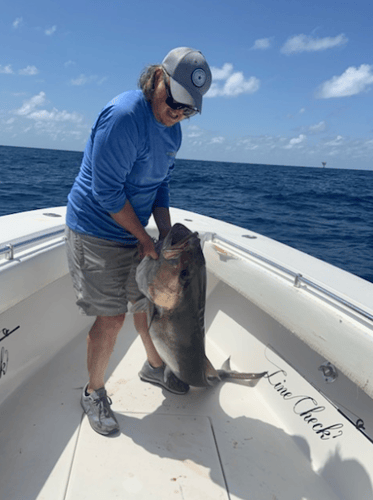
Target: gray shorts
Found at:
x=103, y=274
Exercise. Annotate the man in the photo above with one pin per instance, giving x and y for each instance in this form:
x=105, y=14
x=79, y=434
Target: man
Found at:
x=124, y=179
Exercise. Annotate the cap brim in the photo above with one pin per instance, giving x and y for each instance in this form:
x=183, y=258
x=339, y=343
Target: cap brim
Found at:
x=181, y=95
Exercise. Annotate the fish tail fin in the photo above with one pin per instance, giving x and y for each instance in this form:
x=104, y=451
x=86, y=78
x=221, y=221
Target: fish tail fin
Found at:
x=241, y=375
x=226, y=373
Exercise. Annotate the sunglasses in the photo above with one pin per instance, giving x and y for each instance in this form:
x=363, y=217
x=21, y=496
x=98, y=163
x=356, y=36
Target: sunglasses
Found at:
x=188, y=111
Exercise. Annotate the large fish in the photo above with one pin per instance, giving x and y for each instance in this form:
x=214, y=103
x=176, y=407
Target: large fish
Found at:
x=175, y=291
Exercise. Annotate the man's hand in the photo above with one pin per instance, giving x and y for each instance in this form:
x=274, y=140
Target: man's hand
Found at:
x=128, y=219
x=146, y=247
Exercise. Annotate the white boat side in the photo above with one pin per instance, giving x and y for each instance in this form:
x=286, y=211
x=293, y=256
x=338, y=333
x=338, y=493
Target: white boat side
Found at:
x=304, y=431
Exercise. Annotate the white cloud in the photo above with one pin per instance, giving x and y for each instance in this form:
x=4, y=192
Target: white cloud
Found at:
x=6, y=70
x=263, y=142
x=222, y=73
x=295, y=141
x=262, y=44
x=36, y=119
x=102, y=80
x=29, y=110
x=55, y=116
x=304, y=43
x=217, y=140
x=33, y=118
x=69, y=63
x=29, y=71
x=351, y=82
x=235, y=83
x=29, y=105
x=50, y=31
x=84, y=79
x=319, y=127
x=302, y=110
x=193, y=131
x=335, y=142
x=81, y=80
x=304, y=149
x=17, y=22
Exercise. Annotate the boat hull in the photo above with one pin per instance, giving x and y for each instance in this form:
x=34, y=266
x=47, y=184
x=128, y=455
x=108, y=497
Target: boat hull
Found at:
x=301, y=431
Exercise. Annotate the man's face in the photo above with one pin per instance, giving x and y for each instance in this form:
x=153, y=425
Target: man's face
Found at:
x=163, y=113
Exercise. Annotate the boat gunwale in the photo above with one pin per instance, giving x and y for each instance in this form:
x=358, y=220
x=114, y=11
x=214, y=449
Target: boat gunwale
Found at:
x=298, y=277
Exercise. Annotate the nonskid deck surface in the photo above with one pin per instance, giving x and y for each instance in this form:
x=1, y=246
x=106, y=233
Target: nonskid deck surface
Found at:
x=221, y=442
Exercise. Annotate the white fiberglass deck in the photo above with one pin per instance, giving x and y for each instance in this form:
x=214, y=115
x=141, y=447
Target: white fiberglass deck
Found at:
x=216, y=443
x=284, y=438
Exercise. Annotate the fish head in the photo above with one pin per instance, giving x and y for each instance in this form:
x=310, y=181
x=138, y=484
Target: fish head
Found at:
x=180, y=258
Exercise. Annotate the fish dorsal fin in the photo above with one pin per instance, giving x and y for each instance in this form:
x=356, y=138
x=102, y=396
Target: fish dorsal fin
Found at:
x=227, y=365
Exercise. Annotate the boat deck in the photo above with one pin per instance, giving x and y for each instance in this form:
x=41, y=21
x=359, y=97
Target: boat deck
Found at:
x=222, y=442
x=291, y=436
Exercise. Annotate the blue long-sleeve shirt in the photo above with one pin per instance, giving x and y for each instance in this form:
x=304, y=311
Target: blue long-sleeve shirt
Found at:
x=129, y=156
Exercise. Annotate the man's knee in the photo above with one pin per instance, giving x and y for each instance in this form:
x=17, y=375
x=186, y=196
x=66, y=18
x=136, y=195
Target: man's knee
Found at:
x=111, y=323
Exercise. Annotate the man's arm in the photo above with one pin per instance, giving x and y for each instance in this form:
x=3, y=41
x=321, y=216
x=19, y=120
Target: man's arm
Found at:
x=163, y=220
x=127, y=218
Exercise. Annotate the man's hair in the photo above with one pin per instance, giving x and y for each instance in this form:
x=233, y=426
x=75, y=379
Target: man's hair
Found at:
x=147, y=81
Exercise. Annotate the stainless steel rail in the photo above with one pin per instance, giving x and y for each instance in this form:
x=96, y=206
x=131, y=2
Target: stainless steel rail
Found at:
x=298, y=278
x=9, y=249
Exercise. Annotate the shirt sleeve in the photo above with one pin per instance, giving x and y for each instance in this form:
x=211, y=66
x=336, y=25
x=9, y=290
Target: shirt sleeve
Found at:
x=113, y=154
x=162, y=198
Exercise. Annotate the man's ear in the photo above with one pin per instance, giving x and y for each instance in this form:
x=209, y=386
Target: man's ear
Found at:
x=158, y=76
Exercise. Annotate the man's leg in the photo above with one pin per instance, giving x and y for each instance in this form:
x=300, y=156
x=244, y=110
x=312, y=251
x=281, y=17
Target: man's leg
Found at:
x=141, y=325
x=95, y=401
x=100, y=345
x=154, y=370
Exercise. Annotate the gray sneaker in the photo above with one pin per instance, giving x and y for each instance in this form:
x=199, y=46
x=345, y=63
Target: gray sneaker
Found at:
x=97, y=407
x=164, y=377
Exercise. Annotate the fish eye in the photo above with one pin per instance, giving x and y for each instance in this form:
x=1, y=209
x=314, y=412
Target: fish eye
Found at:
x=184, y=275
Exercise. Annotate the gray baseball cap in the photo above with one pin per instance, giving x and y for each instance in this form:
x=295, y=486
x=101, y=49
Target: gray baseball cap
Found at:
x=190, y=75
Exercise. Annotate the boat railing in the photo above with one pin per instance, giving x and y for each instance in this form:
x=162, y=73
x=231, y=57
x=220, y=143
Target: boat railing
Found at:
x=8, y=251
x=297, y=278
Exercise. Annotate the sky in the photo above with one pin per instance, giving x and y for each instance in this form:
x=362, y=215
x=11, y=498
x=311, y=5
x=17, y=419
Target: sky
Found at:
x=292, y=80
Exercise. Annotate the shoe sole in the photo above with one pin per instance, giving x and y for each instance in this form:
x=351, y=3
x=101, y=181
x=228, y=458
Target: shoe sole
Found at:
x=108, y=433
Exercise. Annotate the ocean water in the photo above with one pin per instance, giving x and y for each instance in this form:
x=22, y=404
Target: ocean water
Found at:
x=327, y=213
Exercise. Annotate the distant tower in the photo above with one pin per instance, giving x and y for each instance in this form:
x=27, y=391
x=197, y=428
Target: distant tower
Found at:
x=323, y=164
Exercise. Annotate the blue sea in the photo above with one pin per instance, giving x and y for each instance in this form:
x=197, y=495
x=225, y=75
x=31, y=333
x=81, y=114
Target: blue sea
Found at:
x=327, y=213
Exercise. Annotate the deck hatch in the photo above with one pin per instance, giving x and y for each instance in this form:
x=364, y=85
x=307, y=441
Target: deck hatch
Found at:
x=155, y=457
